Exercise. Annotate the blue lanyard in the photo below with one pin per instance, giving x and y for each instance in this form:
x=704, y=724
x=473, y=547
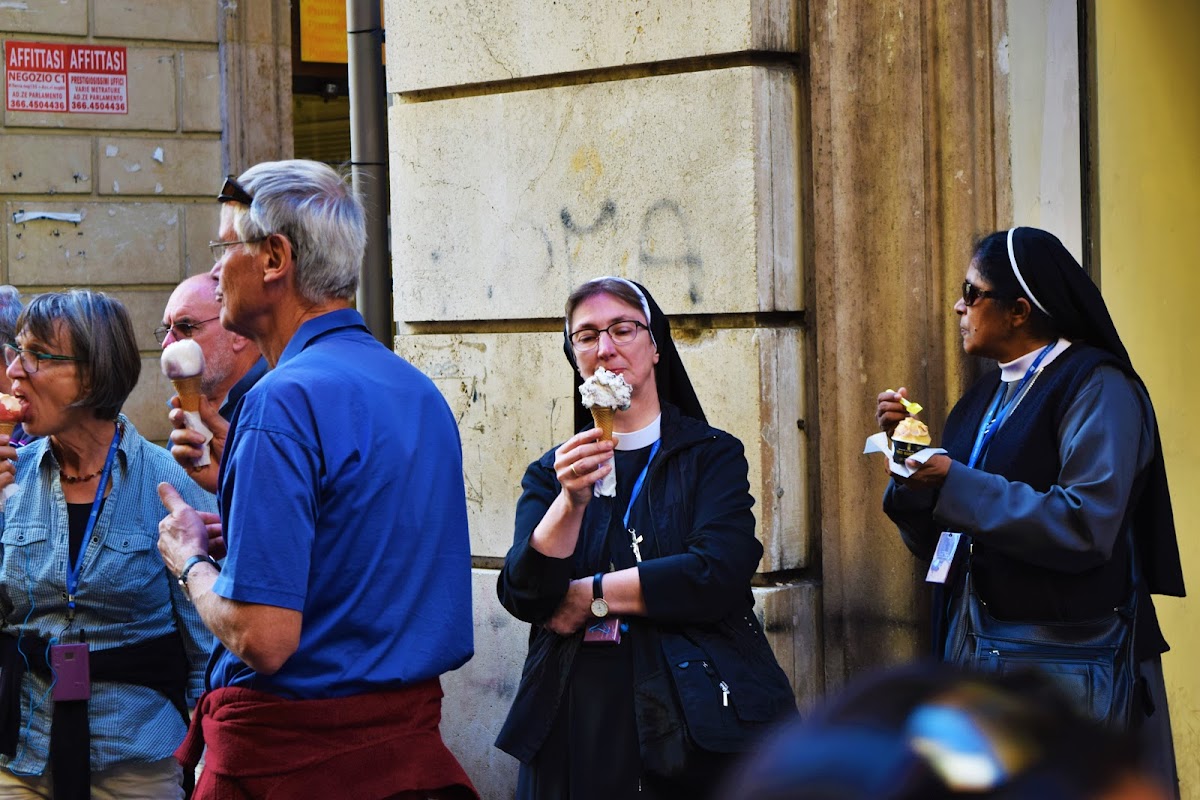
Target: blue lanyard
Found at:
x=994, y=419
x=637, y=486
x=73, y=570
x=634, y=539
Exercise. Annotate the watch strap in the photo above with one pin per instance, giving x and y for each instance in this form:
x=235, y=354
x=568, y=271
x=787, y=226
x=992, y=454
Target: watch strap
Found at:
x=597, y=586
x=193, y=561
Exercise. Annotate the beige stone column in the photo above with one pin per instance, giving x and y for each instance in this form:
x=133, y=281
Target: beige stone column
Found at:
x=256, y=82
x=904, y=176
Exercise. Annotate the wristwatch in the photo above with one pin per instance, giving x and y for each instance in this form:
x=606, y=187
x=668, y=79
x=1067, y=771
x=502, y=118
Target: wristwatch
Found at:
x=193, y=561
x=599, y=604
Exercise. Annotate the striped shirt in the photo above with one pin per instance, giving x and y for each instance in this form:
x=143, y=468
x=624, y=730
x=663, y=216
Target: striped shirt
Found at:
x=125, y=596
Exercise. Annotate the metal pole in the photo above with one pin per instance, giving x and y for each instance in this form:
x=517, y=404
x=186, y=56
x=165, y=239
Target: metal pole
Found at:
x=368, y=159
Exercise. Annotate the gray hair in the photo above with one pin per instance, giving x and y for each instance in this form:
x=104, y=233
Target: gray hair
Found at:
x=101, y=336
x=317, y=210
x=10, y=309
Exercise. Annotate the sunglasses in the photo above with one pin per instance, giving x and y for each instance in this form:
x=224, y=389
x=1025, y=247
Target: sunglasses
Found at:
x=232, y=192
x=971, y=293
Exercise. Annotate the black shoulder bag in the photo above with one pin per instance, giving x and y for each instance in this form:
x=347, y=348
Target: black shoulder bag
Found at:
x=1092, y=661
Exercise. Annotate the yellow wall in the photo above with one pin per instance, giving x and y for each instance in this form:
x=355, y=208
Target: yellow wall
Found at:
x=1149, y=133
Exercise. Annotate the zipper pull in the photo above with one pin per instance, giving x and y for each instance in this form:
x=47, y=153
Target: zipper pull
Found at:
x=725, y=694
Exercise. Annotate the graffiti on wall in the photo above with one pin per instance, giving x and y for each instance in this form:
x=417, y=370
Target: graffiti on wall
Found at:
x=659, y=243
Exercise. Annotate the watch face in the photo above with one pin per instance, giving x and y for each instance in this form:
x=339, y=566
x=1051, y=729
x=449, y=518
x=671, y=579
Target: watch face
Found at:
x=599, y=607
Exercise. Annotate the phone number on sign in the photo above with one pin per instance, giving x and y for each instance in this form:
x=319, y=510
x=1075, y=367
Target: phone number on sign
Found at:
x=38, y=105
x=97, y=105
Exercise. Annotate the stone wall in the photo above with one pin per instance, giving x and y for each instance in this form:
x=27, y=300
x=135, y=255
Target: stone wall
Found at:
x=140, y=184
x=535, y=146
x=133, y=180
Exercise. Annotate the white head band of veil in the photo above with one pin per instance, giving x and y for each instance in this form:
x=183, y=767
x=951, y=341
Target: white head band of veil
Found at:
x=1012, y=259
x=636, y=290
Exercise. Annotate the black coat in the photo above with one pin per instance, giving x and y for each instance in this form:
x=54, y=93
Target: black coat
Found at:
x=700, y=555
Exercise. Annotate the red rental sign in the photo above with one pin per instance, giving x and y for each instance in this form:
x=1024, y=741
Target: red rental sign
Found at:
x=71, y=78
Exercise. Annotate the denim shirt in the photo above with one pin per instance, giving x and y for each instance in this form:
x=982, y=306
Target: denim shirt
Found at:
x=125, y=596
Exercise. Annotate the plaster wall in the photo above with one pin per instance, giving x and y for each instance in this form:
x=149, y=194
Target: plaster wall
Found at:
x=130, y=179
x=1148, y=123
x=466, y=42
x=140, y=184
x=1040, y=62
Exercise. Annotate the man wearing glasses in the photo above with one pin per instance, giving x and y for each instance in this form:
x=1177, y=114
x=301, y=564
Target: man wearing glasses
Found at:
x=346, y=591
x=232, y=365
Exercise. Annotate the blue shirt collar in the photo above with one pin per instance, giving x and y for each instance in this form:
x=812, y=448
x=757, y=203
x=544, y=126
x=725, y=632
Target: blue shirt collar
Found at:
x=318, y=326
x=40, y=447
x=241, y=387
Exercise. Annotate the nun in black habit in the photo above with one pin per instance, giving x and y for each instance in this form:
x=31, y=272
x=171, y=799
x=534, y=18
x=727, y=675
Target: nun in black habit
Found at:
x=1054, y=464
x=666, y=563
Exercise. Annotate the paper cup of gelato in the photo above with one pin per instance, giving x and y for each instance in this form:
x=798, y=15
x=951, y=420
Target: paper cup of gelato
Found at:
x=910, y=436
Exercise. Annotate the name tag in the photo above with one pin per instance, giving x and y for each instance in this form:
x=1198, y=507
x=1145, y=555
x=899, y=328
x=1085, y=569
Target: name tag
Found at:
x=943, y=557
x=72, y=676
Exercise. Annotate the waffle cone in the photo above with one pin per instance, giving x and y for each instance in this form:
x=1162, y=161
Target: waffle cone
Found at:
x=603, y=418
x=7, y=428
x=188, y=390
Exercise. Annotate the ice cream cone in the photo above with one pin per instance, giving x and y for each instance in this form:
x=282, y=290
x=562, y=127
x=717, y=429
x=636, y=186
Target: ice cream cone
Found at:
x=7, y=428
x=603, y=418
x=188, y=390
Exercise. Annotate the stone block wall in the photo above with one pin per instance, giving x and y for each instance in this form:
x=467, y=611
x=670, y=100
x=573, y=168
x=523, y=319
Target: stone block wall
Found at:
x=535, y=146
x=139, y=184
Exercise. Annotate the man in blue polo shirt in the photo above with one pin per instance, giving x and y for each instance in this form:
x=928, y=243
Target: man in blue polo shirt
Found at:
x=345, y=592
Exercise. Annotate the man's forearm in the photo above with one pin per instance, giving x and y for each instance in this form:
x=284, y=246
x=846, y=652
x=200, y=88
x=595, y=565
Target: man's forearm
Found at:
x=262, y=636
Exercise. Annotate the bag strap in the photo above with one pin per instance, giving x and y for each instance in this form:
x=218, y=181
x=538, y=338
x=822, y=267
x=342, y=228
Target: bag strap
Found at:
x=1134, y=572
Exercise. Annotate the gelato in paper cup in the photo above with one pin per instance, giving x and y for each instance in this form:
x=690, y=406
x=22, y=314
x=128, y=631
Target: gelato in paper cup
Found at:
x=910, y=436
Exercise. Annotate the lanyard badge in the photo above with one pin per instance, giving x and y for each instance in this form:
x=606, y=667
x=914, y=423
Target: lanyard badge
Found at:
x=76, y=567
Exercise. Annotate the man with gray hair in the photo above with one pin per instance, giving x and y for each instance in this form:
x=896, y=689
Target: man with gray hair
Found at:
x=346, y=590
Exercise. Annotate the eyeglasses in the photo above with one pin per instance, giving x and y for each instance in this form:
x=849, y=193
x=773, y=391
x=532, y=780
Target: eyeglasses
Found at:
x=182, y=330
x=31, y=359
x=971, y=293
x=232, y=192
x=622, y=332
x=218, y=248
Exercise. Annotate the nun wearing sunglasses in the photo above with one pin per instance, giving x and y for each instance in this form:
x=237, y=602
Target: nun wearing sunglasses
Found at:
x=1054, y=478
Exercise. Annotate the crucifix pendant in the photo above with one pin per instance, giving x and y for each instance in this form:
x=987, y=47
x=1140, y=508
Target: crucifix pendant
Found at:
x=636, y=540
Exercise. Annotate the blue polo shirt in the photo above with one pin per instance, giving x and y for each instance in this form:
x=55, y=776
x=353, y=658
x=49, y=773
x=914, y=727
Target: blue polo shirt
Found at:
x=342, y=497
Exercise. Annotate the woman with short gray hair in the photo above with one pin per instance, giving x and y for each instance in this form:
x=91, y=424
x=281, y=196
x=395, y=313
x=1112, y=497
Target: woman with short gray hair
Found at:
x=101, y=655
